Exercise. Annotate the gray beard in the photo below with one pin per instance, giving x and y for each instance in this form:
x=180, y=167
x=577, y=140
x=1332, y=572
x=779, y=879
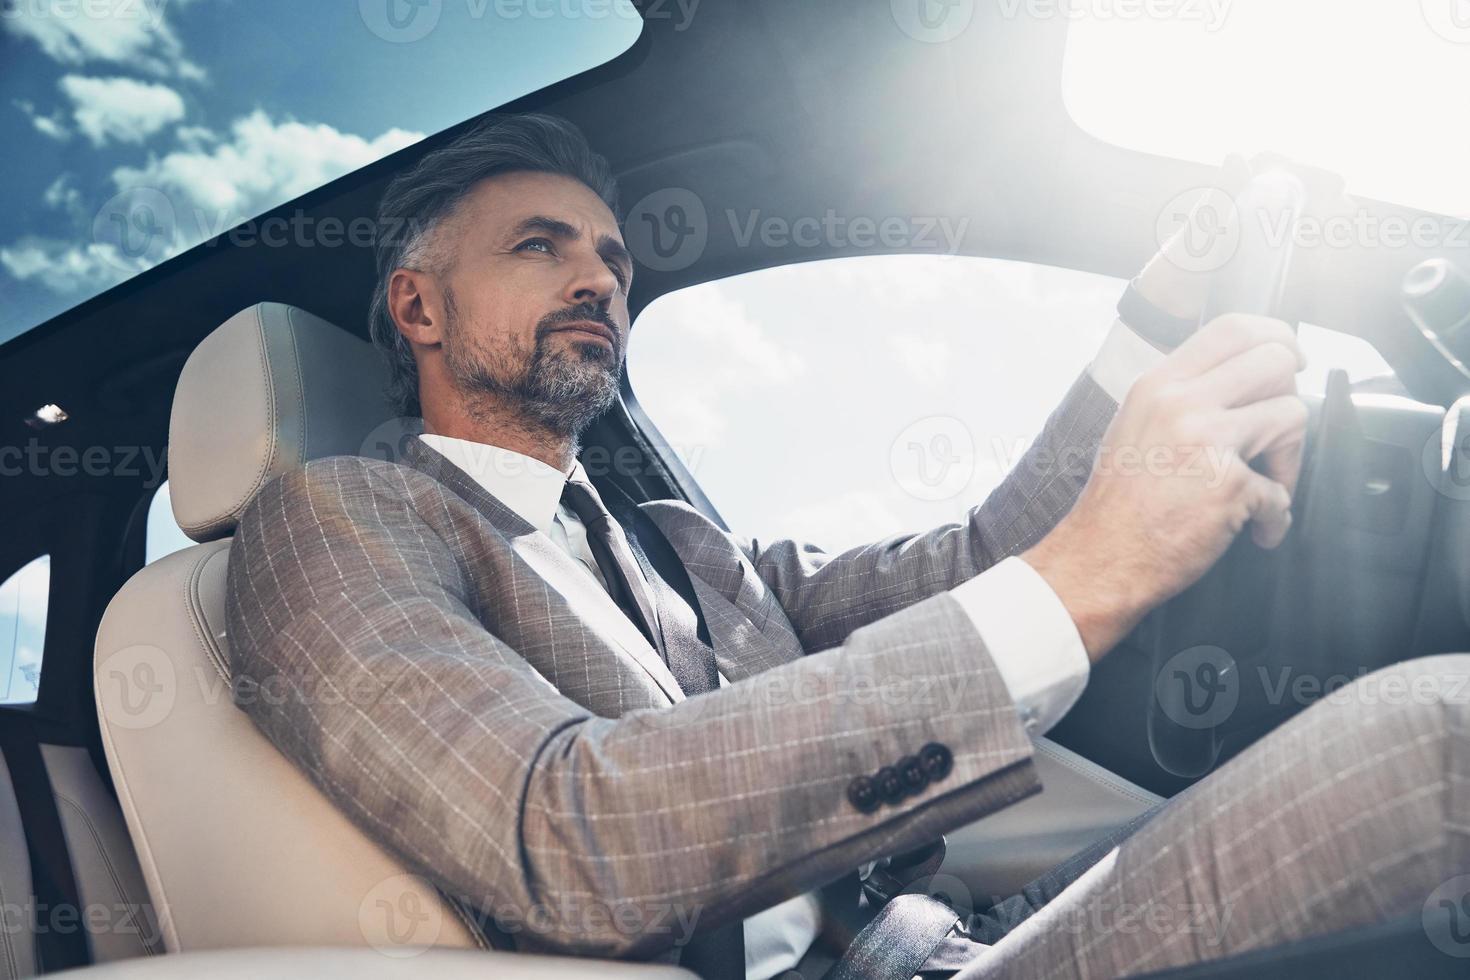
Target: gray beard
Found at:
x=559, y=391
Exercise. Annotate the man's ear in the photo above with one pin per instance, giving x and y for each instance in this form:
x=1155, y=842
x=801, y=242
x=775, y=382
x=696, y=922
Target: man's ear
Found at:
x=416, y=305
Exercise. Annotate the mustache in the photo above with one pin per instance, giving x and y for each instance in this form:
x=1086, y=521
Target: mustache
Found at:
x=572, y=314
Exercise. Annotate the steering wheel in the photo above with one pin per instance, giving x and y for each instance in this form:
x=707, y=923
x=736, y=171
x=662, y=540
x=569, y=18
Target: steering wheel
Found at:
x=1190, y=638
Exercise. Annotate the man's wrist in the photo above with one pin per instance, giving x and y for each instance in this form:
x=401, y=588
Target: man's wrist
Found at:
x=1103, y=607
x=1163, y=330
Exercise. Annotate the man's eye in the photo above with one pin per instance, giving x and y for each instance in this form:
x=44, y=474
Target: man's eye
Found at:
x=535, y=243
x=618, y=273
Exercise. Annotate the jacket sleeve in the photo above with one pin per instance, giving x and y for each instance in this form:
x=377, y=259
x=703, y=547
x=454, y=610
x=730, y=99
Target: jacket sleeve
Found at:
x=578, y=833
x=826, y=597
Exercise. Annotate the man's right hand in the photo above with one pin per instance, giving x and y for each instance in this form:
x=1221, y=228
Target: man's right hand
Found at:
x=1172, y=484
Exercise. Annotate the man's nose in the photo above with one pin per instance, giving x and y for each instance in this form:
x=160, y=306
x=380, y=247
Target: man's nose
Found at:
x=592, y=282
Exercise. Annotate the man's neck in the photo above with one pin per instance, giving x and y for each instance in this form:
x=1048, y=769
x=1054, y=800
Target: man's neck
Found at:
x=506, y=431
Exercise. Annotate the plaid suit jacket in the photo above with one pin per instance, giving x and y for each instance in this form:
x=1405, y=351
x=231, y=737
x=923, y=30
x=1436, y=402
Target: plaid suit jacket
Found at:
x=459, y=710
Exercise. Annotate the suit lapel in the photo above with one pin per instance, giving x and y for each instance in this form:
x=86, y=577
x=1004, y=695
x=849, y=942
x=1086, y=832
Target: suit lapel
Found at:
x=686, y=637
x=581, y=592
x=559, y=570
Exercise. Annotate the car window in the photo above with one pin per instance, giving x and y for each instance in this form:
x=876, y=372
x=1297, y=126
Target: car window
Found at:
x=137, y=128
x=1296, y=78
x=163, y=535
x=23, y=598
x=845, y=400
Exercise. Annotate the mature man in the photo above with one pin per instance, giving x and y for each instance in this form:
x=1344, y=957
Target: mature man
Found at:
x=628, y=712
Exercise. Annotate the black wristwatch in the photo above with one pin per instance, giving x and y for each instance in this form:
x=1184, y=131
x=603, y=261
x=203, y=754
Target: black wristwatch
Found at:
x=1162, y=329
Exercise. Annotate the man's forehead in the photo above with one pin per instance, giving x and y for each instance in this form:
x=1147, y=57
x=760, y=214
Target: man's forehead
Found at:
x=508, y=201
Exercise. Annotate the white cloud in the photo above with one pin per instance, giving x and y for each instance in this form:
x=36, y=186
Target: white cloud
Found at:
x=927, y=359
x=194, y=137
x=836, y=521
x=63, y=195
x=741, y=352
x=67, y=268
x=120, y=108
x=129, y=32
x=210, y=182
x=51, y=126
x=259, y=165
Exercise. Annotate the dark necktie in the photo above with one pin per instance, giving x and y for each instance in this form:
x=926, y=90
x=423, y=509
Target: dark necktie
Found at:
x=614, y=558
x=683, y=642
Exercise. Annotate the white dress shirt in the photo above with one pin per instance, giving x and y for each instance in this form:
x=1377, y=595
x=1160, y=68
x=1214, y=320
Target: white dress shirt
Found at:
x=1026, y=629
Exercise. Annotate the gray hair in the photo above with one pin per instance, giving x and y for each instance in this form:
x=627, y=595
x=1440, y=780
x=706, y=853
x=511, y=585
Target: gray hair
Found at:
x=418, y=201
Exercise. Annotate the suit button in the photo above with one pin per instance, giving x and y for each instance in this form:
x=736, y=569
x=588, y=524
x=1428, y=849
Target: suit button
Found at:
x=937, y=761
x=914, y=776
x=890, y=784
x=862, y=793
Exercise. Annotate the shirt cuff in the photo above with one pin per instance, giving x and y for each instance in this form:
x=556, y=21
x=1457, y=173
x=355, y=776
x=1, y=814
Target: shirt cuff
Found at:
x=1121, y=359
x=1031, y=638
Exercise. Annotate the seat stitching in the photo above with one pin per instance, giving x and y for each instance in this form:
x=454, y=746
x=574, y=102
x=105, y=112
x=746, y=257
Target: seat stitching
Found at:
x=270, y=415
x=1098, y=776
x=196, y=617
x=117, y=881
x=5, y=938
x=134, y=819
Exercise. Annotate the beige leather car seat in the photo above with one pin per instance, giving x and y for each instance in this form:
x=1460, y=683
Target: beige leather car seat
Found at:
x=238, y=848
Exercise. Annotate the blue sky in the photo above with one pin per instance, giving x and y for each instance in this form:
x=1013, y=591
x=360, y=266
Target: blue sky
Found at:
x=227, y=107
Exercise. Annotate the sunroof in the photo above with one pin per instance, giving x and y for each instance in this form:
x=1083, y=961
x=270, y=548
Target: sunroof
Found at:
x=1372, y=89
x=138, y=128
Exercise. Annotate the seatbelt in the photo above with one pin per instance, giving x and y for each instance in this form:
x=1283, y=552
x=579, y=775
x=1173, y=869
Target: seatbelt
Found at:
x=898, y=941
x=63, y=944
x=893, y=875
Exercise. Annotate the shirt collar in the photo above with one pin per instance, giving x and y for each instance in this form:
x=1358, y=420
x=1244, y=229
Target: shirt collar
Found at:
x=526, y=485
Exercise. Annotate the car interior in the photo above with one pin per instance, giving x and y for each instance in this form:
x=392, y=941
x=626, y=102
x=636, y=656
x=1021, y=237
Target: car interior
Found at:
x=242, y=363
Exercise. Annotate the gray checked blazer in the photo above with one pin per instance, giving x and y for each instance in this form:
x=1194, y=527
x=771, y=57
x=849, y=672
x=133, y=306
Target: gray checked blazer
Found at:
x=457, y=708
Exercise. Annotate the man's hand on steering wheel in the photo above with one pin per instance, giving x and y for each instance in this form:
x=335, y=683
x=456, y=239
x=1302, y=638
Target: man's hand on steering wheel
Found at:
x=1172, y=485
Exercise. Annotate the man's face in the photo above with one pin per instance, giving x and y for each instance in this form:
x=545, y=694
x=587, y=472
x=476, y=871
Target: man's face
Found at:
x=535, y=296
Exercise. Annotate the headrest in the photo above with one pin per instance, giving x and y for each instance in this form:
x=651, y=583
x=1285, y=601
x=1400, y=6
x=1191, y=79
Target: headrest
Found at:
x=270, y=389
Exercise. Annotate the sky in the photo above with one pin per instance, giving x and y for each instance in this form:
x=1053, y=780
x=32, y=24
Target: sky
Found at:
x=1371, y=89
x=22, y=629
x=842, y=401
x=211, y=111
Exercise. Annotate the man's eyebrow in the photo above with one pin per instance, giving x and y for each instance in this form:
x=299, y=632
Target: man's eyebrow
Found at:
x=550, y=226
x=610, y=248
x=607, y=246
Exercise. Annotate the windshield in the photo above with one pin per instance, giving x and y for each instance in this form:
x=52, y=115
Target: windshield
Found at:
x=1371, y=89
x=138, y=128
